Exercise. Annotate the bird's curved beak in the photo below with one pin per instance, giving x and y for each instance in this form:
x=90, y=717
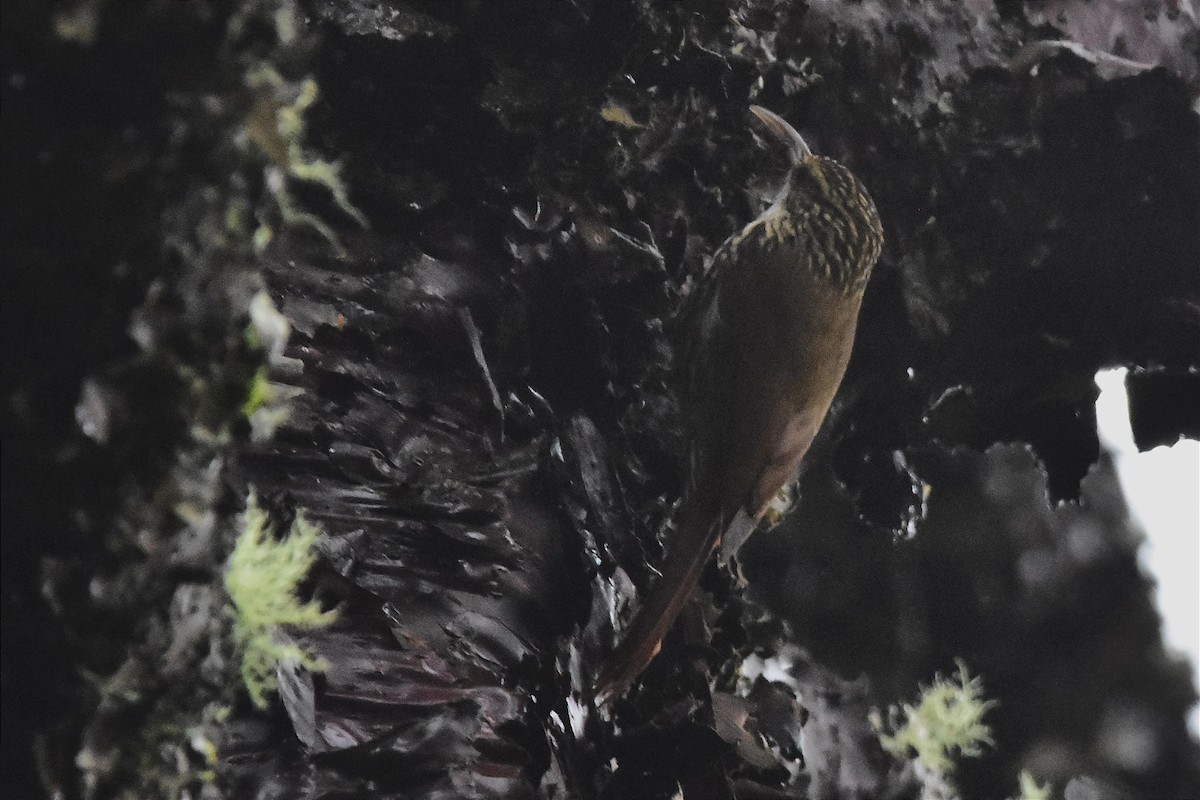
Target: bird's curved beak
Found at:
x=797, y=148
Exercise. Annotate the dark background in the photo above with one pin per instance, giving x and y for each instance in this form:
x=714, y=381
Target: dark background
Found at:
x=539, y=179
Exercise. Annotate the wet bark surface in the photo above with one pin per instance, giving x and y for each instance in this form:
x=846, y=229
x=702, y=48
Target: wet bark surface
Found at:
x=480, y=412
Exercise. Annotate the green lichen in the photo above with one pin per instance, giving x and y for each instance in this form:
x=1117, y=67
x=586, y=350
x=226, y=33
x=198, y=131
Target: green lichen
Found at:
x=258, y=393
x=261, y=578
x=947, y=720
x=1030, y=789
x=266, y=403
x=276, y=124
x=174, y=758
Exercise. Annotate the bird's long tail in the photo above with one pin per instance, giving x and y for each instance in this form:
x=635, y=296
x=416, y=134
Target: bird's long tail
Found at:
x=698, y=529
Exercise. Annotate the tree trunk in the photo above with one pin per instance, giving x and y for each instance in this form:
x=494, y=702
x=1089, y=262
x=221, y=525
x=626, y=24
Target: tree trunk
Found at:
x=475, y=219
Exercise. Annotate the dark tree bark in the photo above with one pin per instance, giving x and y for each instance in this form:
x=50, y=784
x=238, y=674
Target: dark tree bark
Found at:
x=481, y=418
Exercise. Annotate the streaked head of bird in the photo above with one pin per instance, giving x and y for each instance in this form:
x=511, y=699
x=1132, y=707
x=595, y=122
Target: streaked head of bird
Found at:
x=825, y=211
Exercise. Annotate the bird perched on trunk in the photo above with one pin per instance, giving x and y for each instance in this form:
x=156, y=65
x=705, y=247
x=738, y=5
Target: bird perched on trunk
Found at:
x=766, y=334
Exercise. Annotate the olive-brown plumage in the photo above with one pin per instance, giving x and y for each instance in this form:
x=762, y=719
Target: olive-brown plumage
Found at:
x=766, y=334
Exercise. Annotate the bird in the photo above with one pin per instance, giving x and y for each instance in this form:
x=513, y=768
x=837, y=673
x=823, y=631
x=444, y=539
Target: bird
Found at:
x=764, y=338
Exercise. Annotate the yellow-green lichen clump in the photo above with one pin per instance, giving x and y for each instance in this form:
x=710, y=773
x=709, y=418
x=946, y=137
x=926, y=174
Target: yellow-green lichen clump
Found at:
x=947, y=720
x=262, y=576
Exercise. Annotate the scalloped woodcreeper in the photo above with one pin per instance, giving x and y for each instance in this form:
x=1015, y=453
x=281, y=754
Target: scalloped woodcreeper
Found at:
x=767, y=333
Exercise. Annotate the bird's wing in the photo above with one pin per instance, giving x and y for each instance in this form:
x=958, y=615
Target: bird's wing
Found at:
x=705, y=350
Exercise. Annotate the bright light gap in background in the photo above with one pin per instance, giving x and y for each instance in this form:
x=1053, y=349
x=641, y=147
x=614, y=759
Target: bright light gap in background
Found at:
x=1162, y=490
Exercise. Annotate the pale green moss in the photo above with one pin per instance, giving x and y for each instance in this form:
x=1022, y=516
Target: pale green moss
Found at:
x=79, y=22
x=263, y=235
x=947, y=720
x=267, y=404
x=258, y=393
x=261, y=577
x=277, y=126
x=1031, y=789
